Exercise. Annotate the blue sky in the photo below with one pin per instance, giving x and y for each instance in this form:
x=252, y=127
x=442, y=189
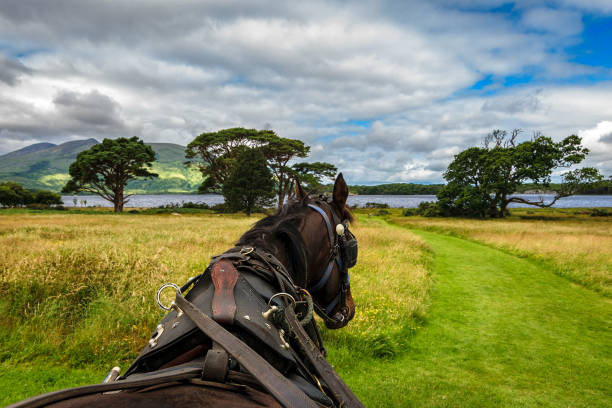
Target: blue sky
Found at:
x=387, y=91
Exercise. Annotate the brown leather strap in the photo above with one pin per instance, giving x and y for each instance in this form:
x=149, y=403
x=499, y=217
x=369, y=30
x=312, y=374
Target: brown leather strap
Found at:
x=341, y=393
x=216, y=364
x=224, y=276
x=286, y=393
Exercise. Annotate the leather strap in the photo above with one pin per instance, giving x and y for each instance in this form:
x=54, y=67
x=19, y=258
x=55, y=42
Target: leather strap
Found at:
x=216, y=364
x=224, y=276
x=340, y=392
x=287, y=394
x=330, y=230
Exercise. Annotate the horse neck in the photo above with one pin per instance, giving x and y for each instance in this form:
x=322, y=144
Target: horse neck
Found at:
x=278, y=248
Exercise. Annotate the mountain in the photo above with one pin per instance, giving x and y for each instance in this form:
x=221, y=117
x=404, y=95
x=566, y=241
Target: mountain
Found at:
x=45, y=166
x=29, y=149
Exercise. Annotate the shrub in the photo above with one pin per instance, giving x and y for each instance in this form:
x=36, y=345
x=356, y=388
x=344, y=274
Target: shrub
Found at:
x=201, y=206
x=376, y=205
x=222, y=208
x=47, y=198
x=37, y=206
x=408, y=212
x=13, y=195
x=429, y=209
x=600, y=212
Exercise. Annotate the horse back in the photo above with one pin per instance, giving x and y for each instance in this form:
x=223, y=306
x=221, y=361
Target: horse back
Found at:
x=195, y=394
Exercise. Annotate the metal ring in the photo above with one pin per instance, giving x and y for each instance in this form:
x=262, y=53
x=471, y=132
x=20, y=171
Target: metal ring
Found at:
x=159, y=291
x=246, y=250
x=287, y=295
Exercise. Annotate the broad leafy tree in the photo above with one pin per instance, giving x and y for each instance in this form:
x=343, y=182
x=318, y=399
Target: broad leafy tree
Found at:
x=215, y=153
x=278, y=152
x=106, y=168
x=13, y=194
x=311, y=175
x=250, y=185
x=47, y=198
x=481, y=180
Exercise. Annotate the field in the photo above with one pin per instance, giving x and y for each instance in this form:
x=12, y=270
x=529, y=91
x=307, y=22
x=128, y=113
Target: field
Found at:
x=441, y=320
x=575, y=243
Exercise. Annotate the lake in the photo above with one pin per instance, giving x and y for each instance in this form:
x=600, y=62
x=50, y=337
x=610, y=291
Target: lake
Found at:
x=405, y=201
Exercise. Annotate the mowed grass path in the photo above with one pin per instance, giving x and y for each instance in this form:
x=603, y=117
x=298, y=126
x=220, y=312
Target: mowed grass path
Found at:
x=499, y=332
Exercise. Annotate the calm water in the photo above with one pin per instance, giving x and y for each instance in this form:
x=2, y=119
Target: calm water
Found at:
x=405, y=201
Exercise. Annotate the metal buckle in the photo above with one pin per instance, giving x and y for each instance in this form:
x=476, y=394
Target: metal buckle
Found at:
x=246, y=250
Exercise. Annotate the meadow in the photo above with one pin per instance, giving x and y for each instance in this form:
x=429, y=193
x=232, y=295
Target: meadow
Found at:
x=77, y=290
x=576, y=243
x=441, y=320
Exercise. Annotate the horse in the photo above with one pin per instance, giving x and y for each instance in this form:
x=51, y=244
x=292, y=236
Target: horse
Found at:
x=242, y=333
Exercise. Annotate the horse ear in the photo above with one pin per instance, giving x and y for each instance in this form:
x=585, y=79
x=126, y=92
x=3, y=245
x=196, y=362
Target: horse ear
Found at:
x=340, y=192
x=300, y=194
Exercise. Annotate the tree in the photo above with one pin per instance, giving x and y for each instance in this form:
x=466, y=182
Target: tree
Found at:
x=13, y=194
x=106, y=168
x=278, y=151
x=47, y=198
x=215, y=153
x=311, y=175
x=250, y=185
x=481, y=180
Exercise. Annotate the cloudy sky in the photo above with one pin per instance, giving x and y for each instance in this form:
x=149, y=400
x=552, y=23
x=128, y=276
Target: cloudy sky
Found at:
x=387, y=91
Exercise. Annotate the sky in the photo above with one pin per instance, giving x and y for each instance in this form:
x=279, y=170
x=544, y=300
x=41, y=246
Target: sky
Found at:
x=388, y=91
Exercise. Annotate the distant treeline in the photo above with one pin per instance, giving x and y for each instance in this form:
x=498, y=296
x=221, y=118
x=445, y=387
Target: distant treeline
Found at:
x=604, y=188
x=393, y=189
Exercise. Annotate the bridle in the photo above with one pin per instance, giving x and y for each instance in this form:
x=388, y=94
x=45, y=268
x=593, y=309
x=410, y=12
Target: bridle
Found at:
x=343, y=253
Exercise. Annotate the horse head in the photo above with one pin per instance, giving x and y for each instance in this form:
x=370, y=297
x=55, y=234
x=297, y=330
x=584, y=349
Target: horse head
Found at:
x=331, y=250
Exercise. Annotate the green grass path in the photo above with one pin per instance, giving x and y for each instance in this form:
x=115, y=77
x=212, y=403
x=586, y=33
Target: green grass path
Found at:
x=500, y=331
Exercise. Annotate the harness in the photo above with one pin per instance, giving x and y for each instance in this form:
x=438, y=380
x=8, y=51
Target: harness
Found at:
x=343, y=244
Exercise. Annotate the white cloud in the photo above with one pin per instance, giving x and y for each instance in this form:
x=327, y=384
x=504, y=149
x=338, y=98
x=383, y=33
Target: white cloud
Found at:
x=309, y=70
x=555, y=21
x=599, y=141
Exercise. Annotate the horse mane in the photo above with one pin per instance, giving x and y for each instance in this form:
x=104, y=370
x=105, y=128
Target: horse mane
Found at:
x=282, y=227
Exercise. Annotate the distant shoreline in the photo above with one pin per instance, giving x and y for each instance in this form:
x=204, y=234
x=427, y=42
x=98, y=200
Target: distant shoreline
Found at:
x=393, y=201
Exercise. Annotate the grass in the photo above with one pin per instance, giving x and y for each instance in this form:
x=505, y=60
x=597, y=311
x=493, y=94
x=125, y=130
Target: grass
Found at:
x=390, y=285
x=500, y=332
x=76, y=289
x=575, y=244
x=441, y=321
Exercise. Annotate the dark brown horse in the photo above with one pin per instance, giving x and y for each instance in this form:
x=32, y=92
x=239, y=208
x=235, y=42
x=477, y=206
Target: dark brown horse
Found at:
x=243, y=335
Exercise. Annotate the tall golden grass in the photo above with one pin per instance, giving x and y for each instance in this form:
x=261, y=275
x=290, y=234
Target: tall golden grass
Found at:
x=579, y=245
x=79, y=289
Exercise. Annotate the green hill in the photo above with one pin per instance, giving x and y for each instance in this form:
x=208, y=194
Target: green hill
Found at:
x=45, y=166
